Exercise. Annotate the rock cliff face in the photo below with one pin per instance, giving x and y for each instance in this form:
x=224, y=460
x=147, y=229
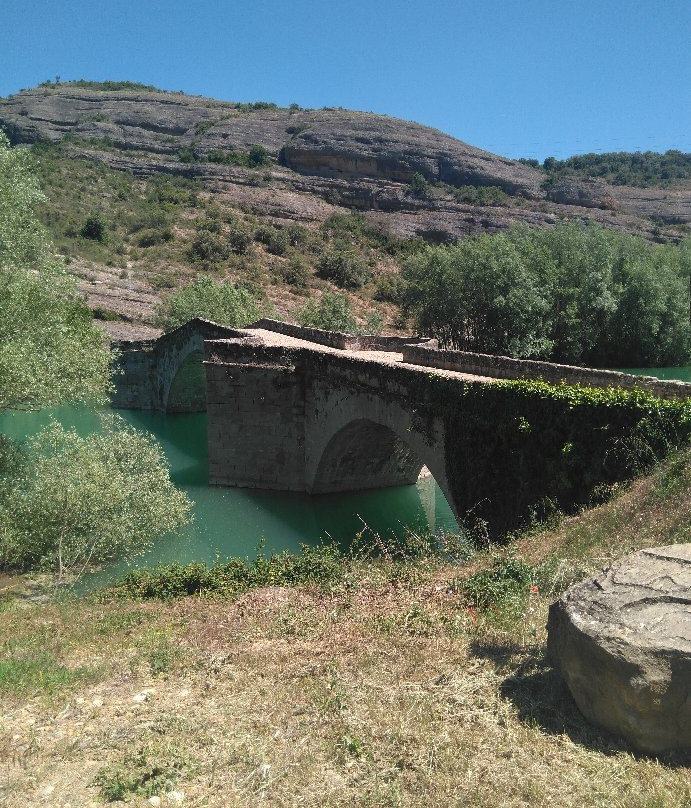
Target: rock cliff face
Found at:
x=325, y=159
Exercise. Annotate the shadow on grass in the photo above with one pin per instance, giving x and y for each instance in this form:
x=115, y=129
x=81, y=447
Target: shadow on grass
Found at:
x=542, y=699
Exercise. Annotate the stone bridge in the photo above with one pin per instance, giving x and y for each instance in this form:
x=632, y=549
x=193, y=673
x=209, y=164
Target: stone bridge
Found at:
x=296, y=409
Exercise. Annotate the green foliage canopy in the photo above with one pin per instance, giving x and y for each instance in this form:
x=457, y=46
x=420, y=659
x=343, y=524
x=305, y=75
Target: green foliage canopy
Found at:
x=641, y=169
x=50, y=349
x=221, y=301
x=344, y=266
x=571, y=293
x=331, y=312
x=81, y=500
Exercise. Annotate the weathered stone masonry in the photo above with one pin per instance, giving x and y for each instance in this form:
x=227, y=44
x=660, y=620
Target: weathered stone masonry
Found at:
x=306, y=410
x=301, y=419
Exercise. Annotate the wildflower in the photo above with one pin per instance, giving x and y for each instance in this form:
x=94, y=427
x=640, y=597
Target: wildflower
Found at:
x=535, y=589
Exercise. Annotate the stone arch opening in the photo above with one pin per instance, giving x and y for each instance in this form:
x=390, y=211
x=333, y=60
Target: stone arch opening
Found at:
x=365, y=454
x=187, y=391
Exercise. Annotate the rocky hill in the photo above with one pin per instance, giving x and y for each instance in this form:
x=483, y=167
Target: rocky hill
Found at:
x=304, y=166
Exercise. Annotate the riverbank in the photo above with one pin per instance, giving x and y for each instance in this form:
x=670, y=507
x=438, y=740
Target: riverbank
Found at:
x=389, y=684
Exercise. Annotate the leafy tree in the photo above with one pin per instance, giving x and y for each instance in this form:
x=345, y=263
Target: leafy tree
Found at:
x=50, y=349
x=258, y=156
x=343, y=266
x=68, y=500
x=95, y=228
x=642, y=169
x=419, y=186
x=275, y=239
x=295, y=271
x=477, y=296
x=572, y=293
x=331, y=312
x=23, y=241
x=221, y=301
x=85, y=500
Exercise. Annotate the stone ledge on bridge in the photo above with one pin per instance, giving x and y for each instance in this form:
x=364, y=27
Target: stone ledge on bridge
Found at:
x=504, y=367
x=340, y=340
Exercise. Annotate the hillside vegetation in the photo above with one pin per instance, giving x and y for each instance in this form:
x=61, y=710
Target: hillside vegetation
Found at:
x=640, y=169
x=314, y=213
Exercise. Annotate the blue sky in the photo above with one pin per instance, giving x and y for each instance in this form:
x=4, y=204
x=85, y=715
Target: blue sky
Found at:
x=518, y=77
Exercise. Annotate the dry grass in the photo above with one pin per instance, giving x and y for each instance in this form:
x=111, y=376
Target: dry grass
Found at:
x=388, y=695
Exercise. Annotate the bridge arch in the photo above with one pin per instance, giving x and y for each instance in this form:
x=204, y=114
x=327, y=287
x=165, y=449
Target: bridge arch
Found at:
x=186, y=391
x=179, y=380
x=364, y=454
x=361, y=442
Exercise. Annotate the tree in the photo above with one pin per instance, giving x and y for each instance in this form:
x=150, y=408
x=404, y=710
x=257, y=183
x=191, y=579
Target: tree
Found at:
x=419, y=186
x=332, y=312
x=221, y=301
x=66, y=500
x=477, y=296
x=343, y=266
x=79, y=500
x=258, y=156
x=572, y=293
x=50, y=349
x=95, y=228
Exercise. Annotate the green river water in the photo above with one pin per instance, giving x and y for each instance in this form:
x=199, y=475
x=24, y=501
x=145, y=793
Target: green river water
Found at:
x=235, y=521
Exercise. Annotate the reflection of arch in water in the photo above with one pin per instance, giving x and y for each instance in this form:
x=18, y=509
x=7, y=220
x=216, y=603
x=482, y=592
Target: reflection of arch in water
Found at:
x=187, y=390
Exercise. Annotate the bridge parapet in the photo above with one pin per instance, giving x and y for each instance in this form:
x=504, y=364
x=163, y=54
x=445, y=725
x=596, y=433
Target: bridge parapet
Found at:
x=337, y=339
x=505, y=367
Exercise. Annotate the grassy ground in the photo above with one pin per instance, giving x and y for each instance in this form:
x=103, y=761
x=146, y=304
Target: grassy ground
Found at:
x=382, y=684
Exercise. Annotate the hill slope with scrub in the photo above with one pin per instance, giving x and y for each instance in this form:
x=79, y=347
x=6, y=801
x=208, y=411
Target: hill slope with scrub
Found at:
x=148, y=188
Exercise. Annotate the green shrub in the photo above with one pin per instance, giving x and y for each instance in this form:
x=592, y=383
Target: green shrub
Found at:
x=209, y=249
x=481, y=195
x=228, y=157
x=239, y=238
x=150, y=238
x=258, y=156
x=187, y=155
x=149, y=772
x=389, y=288
x=296, y=129
x=343, y=266
x=296, y=272
x=504, y=587
x=276, y=240
x=331, y=312
x=79, y=500
x=95, y=228
x=222, y=301
x=419, y=185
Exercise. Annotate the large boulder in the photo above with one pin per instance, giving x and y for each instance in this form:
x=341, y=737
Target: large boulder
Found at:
x=623, y=643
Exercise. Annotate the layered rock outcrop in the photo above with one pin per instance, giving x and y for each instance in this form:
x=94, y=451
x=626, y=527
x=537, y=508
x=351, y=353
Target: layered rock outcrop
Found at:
x=323, y=160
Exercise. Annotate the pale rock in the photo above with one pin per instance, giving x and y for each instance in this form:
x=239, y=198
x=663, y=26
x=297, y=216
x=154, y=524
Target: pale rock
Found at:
x=623, y=643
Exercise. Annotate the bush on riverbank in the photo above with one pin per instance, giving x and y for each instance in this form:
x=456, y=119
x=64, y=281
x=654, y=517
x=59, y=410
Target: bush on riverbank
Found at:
x=67, y=501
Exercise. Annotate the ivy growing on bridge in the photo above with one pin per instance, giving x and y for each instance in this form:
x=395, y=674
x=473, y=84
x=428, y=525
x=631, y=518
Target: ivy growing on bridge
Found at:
x=517, y=449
